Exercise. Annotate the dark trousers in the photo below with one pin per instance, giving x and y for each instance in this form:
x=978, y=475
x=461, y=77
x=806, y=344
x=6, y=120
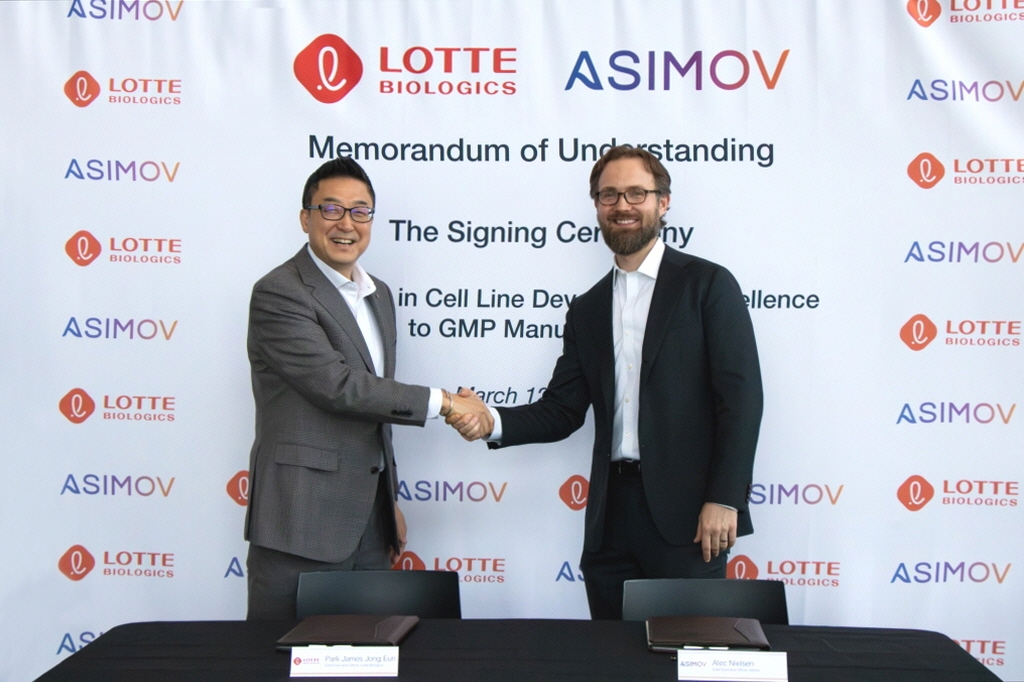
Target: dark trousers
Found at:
x=632, y=548
x=273, y=576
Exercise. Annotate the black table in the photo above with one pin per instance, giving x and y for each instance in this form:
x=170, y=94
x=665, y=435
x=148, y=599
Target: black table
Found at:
x=496, y=650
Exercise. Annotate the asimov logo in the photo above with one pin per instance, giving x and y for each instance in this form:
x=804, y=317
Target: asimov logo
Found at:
x=110, y=484
x=328, y=68
x=966, y=252
x=77, y=405
x=445, y=491
x=943, y=412
x=915, y=493
x=118, y=171
x=152, y=10
x=69, y=644
x=926, y=170
x=952, y=90
x=76, y=563
x=238, y=488
x=113, y=328
x=728, y=70
x=82, y=89
x=918, y=332
x=567, y=573
x=574, y=492
x=947, y=572
x=808, y=493
x=924, y=12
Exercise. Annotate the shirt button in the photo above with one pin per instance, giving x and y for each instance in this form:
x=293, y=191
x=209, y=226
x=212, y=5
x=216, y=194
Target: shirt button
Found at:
x=629, y=366
x=627, y=400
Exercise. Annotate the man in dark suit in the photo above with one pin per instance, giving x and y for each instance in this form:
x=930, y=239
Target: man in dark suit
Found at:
x=663, y=350
x=322, y=341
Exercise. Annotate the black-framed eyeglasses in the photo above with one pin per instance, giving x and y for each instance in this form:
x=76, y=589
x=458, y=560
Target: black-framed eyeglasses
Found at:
x=359, y=214
x=634, y=195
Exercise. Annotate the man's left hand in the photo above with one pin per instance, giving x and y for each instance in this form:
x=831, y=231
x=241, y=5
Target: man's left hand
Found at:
x=716, y=529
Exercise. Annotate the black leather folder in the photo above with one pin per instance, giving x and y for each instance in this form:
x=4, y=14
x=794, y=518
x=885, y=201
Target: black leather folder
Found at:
x=668, y=633
x=349, y=629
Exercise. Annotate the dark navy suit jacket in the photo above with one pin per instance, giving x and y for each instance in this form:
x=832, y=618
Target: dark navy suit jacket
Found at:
x=700, y=396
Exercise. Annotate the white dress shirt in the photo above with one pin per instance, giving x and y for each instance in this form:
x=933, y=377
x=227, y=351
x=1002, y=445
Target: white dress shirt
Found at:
x=631, y=301
x=354, y=291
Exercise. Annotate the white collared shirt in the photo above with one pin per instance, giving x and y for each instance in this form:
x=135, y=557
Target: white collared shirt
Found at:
x=631, y=302
x=631, y=294
x=355, y=291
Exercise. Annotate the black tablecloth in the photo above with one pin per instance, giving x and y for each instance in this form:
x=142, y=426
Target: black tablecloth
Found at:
x=497, y=650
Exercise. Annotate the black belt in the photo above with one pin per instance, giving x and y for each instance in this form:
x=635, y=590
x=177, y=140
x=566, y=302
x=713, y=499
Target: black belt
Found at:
x=626, y=467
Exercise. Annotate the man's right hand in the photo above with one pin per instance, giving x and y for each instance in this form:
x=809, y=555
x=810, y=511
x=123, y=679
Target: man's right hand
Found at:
x=470, y=416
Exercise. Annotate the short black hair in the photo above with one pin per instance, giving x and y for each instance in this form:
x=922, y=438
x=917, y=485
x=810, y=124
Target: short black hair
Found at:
x=342, y=167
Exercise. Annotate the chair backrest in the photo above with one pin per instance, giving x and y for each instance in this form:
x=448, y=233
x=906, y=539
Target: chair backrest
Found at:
x=764, y=600
x=427, y=594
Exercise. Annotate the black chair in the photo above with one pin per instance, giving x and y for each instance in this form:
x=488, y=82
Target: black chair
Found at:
x=427, y=594
x=764, y=600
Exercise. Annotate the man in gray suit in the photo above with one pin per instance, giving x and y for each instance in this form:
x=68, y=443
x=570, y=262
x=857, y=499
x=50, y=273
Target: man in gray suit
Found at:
x=322, y=341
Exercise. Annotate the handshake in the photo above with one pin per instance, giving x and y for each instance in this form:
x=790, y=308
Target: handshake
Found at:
x=467, y=414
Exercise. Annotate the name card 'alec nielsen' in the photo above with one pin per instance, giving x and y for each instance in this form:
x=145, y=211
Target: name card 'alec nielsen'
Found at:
x=732, y=666
x=318, y=660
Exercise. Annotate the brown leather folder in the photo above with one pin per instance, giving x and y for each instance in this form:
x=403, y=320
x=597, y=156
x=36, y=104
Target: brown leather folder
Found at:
x=349, y=629
x=668, y=633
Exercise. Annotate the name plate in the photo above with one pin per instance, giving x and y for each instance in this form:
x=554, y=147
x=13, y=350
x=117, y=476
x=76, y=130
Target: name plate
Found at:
x=319, y=660
x=732, y=665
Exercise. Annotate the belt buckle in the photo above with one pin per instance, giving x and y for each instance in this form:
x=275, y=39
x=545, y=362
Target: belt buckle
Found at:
x=627, y=467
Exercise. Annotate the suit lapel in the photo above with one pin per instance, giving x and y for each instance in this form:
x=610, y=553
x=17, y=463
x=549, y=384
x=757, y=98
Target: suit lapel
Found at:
x=330, y=298
x=664, y=300
x=381, y=307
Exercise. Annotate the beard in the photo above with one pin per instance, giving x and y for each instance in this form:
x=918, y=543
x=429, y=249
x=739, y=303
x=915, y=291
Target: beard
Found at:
x=626, y=242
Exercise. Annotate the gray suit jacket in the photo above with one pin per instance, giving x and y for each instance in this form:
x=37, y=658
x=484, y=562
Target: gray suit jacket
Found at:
x=323, y=417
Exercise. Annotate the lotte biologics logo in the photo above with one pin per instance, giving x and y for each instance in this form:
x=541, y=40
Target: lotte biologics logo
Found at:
x=918, y=332
x=82, y=89
x=76, y=563
x=915, y=493
x=924, y=12
x=328, y=68
x=574, y=492
x=926, y=170
x=83, y=248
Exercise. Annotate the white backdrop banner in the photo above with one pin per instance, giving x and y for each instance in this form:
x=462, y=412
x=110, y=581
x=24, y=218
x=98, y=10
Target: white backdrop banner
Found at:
x=857, y=166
